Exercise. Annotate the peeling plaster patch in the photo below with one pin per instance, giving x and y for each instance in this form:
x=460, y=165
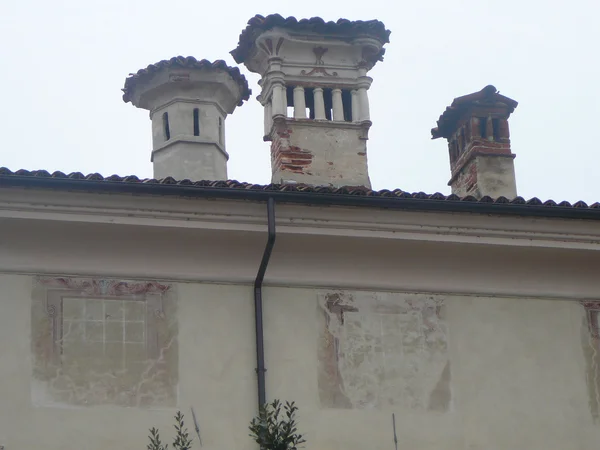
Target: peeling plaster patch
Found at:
x=590, y=342
x=103, y=342
x=383, y=350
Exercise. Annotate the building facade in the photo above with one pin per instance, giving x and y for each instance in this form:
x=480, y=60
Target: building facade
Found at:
x=471, y=318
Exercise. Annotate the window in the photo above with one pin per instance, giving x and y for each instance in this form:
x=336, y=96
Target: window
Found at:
x=220, y=131
x=496, y=128
x=328, y=101
x=309, y=99
x=483, y=127
x=196, y=122
x=166, y=131
x=347, y=103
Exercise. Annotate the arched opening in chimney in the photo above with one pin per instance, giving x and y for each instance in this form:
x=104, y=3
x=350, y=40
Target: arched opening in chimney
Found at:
x=309, y=103
x=347, y=104
x=196, y=122
x=220, y=131
x=166, y=131
x=328, y=100
x=309, y=100
x=496, y=128
x=483, y=127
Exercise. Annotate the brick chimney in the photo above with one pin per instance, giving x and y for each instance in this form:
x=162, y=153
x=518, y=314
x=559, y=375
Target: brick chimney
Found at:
x=188, y=102
x=314, y=93
x=476, y=128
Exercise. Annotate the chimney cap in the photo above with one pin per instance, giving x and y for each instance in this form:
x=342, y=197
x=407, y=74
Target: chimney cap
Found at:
x=342, y=27
x=188, y=62
x=488, y=96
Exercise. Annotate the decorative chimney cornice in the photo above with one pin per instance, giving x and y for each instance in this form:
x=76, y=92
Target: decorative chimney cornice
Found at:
x=187, y=62
x=342, y=27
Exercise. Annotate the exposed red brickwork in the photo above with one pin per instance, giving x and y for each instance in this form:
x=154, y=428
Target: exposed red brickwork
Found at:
x=287, y=157
x=475, y=125
x=479, y=146
x=466, y=180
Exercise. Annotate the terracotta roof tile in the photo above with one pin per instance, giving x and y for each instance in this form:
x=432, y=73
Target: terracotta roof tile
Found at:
x=8, y=178
x=186, y=62
x=258, y=24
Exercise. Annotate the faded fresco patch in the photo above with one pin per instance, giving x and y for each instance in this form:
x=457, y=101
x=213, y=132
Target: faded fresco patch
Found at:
x=104, y=342
x=383, y=350
x=590, y=341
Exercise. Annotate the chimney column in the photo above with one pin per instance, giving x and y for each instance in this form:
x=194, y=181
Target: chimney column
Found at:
x=319, y=104
x=338, y=107
x=355, y=106
x=268, y=117
x=299, y=103
x=278, y=99
x=365, y=113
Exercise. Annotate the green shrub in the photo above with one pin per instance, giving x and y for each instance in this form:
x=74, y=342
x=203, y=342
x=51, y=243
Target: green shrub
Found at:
x=274, y=433
x=182, y=440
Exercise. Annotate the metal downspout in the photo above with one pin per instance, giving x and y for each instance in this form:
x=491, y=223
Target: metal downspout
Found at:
x=258, y=305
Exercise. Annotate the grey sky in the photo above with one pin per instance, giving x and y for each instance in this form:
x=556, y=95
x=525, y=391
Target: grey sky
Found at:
x=64, y=63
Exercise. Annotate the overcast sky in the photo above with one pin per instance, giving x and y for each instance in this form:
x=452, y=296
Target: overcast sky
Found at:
x=65, y=61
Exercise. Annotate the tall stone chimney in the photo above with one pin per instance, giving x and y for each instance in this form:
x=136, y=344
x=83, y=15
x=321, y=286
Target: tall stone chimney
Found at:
x=476, y=128
x=188, y=102
x=314, y=93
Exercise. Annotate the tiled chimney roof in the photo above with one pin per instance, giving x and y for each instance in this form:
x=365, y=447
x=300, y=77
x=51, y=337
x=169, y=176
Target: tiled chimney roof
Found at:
x=186, y=62
x=447, y=121
x=258, y=24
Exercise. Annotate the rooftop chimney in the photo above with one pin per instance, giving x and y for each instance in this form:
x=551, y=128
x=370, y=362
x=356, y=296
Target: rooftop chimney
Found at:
x=476, y=128
x=188, y=102
x=314, y=92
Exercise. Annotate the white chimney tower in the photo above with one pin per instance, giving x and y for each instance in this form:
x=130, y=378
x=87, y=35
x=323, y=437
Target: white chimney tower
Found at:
x=188, y=102
x=314, y=92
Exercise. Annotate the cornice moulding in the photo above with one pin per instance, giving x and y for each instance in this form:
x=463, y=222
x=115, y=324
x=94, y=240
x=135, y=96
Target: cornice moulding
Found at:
x=305, y=220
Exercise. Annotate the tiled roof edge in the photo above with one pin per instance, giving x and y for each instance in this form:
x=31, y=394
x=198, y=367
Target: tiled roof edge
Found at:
x=349, y=195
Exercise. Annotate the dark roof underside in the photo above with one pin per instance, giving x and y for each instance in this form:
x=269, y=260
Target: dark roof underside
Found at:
x=290, y=193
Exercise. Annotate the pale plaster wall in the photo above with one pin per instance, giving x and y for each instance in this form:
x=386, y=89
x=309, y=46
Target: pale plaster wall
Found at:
x=216, y=348
x=183, y=155
x=190, y=158
x=338, y=155
x=493, y=176
x=518, y=376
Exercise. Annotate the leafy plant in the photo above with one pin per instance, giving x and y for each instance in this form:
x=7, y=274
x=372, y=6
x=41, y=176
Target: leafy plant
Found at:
x=182, y=440
x=273, y=432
